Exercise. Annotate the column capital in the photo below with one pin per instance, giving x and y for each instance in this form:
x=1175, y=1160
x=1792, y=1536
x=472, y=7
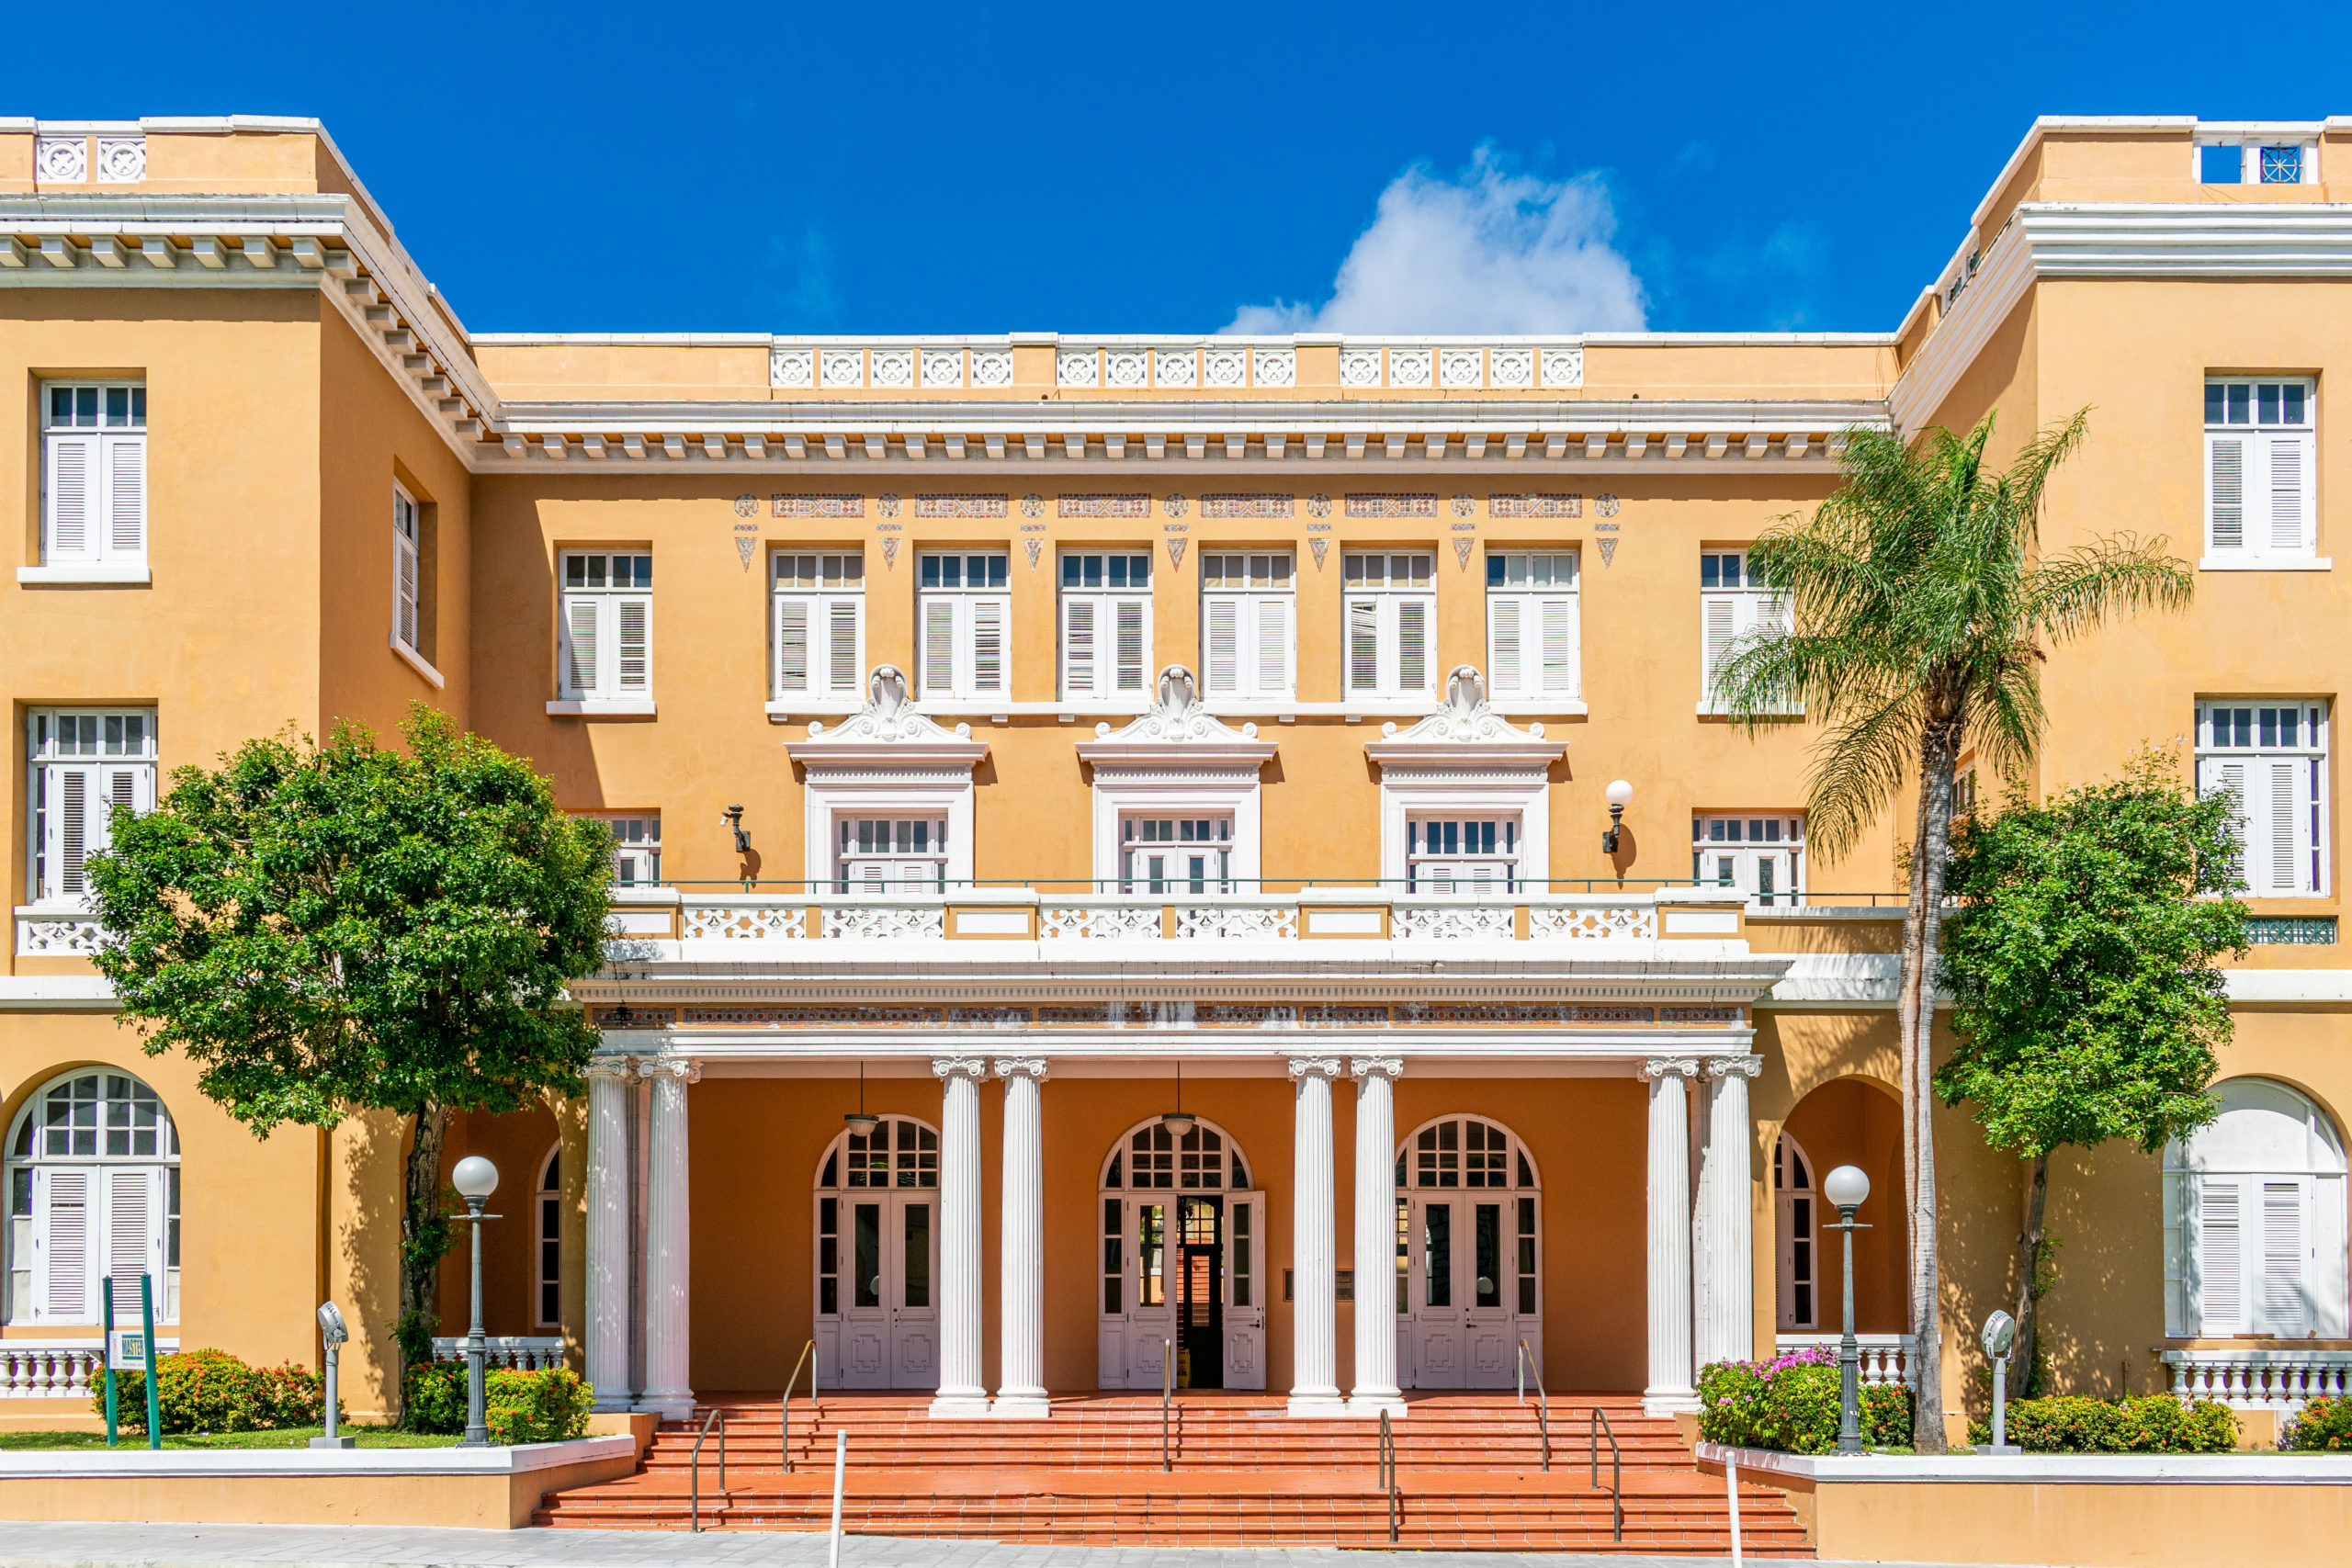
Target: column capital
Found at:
x=1315, y=1067
x=1022, y=1067
x=615, y=1069
x=950, y=1068
x=1375, y=1066
x=685, y=1069
x=1735, y=1066
x=1658, y=1068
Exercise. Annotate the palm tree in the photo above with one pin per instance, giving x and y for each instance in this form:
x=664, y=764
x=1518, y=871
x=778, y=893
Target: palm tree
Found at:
x=1923, y=611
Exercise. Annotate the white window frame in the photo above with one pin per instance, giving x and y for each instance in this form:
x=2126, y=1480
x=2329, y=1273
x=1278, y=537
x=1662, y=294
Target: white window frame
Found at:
x=1212, y=790
x=2216, y=1290
x=1106, y=630
x=1249, y=627
x=1750, y=853
x=2261, y=477
x=1432, y=870
x=1408, y=791
x=615, y=681
x=2250, y=149
x=892, y=870
x=817, y=609
x=115, y=769
x=407, y=612
x=952, y=625
x=2266, y=775
x=1380, y=602
x=1729, y=615
x=29, y=1237
x=1788, y=1235
x=547, y=1222
x=1534, y=630
x=1210, y=840
x=103, y=463
x=637, y=846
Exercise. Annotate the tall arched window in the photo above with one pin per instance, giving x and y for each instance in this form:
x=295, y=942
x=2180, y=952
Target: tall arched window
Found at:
x=547, y=1285
x=1796, y=1238
x=93, y=1181
x=2254, y=1220
x=1468, y=1286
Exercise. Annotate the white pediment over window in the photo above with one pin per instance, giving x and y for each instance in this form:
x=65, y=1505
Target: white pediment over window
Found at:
x=1177, y=768
x=1465, y=762
x=887, y=764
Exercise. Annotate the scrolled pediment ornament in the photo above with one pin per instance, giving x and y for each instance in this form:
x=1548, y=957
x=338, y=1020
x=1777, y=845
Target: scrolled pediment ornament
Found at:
x=888, y=715
x=1177, y=716
x=1466, y=714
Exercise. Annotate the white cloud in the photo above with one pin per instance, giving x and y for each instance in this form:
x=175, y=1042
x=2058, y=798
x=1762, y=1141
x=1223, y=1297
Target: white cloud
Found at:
x=1489, y=250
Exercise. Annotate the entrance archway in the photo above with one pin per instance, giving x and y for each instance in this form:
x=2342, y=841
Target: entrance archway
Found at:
x=1184, y=1261
x=1469, y=1282
x=877, y=1256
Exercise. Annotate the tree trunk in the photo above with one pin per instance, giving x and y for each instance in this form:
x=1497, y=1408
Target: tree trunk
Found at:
x=2037, y=1193
x=420, y=1210
x=1915, y=1013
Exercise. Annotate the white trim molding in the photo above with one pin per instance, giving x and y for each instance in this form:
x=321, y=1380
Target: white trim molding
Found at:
x=1177, y=758
x=1465, y=756
x=887, y=757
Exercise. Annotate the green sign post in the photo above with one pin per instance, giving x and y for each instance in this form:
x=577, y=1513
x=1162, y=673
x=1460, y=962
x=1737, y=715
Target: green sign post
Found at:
x=106, y=1296
x=147, y=1353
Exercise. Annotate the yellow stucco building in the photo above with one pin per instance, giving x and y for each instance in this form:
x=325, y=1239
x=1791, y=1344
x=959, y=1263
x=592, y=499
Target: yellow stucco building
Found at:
x=1112, y=854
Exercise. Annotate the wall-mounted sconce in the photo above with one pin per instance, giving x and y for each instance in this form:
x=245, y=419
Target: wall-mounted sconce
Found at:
x=1620, y=795
x=733, y=816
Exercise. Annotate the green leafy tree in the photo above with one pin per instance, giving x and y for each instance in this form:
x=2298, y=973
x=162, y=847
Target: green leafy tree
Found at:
x=2081, y=968
x=1924, y=609
x=330, y=929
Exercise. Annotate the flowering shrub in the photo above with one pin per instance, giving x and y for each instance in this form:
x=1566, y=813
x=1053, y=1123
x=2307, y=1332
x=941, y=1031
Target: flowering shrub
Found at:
x=518, y=1407
x=212, y=1390
x=1789, y=1404
x=433, y=1396
x=2324, y=1426
x=2157, y=1423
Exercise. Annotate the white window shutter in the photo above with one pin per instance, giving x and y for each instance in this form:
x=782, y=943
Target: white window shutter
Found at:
x=1558, y=646
x=2326, y=1246
x=2285, y=776
x=1412, y=645
x=2227, y=776
x=1273, y=646
x=791, y=645
x=63, y=1217
x=2225, y=492
x=73, y=828
x=633, y=616
x=1223, y=654
x=988, y=646
x=2220, y=1248
x=1128, y=617
x=938, y=647
x=129, y=1225
x=2288, y=502
x=126, y=463
x=580, y=641
x=1364, y=645
x=1079, y=650
x=404, y=586
x=73, y=520
x=2180, y=1293
x=1719, y=619
x=1503, y=665
x=2283, y=1307
x=844, y=644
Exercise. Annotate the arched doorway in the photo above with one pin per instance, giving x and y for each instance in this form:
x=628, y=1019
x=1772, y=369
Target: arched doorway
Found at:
x=1796, y=1240
x=1469, y=1274
x=93, y=1190
x=2254, y=1212
x=1184, y=1261
x=877, y=1256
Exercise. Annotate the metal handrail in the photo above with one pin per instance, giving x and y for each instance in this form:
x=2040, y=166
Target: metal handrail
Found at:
x=1599, y=1425
x=694, y=1479
x=1543, y=1405
x=784, y=1415
x=1269, y=886
x=1388, y=1473
x=1167, y=1396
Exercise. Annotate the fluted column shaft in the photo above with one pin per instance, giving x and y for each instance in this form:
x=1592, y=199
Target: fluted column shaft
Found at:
x=606, y=1334
x=1315, y=1333
x=1727, y=1331
x=668, y=1219
x=961, y=1392
x=1021, y=1263
x=1376, y=1241
x=1668, y=1253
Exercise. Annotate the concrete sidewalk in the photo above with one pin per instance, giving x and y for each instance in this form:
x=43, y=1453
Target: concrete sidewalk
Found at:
x=100, y=1545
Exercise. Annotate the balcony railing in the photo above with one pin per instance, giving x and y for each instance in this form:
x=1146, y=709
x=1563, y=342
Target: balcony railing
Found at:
x=529, y=1353
x=1886, y=1358
x=2260, y=1379
x=55, y=1368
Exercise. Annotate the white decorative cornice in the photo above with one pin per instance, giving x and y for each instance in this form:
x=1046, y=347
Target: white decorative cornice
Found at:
x=888, y=730
x=1178, y=729
x=1467, y=730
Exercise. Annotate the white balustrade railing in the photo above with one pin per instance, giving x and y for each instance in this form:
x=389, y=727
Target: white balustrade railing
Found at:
x=55, y=1368
x=529, y=1353
x=2260, y=1379
x=1887, y=1359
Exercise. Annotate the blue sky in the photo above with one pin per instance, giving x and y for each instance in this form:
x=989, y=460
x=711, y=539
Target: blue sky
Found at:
x=987, y=168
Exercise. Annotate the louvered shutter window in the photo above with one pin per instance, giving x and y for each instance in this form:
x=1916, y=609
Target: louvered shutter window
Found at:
x=1391, y=609
x=1532, y=626
x=633, y=616
x=1364, y=645
x=1273, y=646
x=1245, y=624
x=84, y=765
x=939, y=649
x=844, y=644
x=2221, y=1257
x=988, y=617
x=1222, y=617
x=791, y=646
x=1733, y=607
x=1106, y=625
x=91, y=1184
x=819, y=625
x=405, y=568
x=2260, y=448
x=607, y=627
x=2261, y=1218
x=962, y=603
x=126, y=464
x=2270, y=760
x=66, y=1244
x=2284, y=1311
x=1077, y=646
x=94, y=474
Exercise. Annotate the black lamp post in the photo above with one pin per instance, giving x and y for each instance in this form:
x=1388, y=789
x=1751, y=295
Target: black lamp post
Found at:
x=475, y=1178
x=1845, y=1187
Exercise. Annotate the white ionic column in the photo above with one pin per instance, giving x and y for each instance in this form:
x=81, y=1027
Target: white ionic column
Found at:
x=606, y=1334
x=668, y=1216
x=1375, y=1240
x=1313, y=1242
x=961, y=1393
x=1727, y=1331
x=1669, y=1258
x=1021, y=1244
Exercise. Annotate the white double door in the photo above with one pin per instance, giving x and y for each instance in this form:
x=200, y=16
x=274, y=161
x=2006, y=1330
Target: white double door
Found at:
x=882, y=1287
x=1184, y=1273
x=1467, y=1269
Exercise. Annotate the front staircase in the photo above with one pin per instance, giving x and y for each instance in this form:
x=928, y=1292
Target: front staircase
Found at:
x=1469, y=1477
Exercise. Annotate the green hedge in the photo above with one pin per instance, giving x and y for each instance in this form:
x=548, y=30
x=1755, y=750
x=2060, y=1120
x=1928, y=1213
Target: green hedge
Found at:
x=1790, y=1404
x=518, y=1407
x=212, y=1390
x=2157, y=1424
x=2323, y=1426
